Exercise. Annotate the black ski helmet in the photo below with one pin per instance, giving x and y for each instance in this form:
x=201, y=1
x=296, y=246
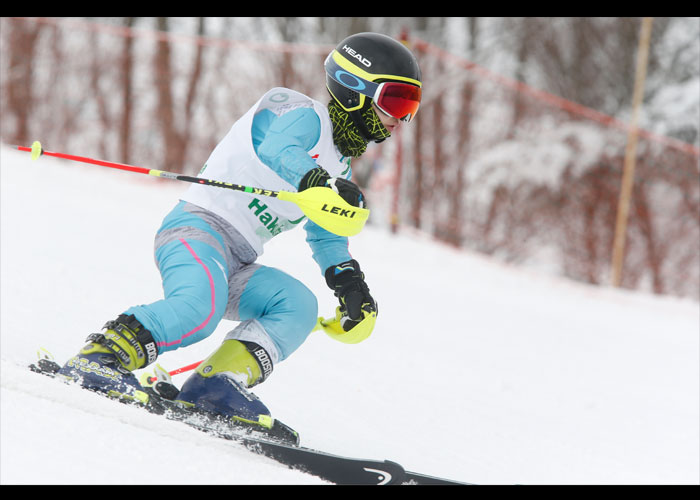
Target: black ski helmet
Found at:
x=359, y=63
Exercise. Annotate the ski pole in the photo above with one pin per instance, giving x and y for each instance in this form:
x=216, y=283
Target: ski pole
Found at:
x=322, y=205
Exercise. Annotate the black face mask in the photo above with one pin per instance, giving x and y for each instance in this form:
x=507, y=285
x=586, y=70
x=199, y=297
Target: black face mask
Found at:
x=349, y=136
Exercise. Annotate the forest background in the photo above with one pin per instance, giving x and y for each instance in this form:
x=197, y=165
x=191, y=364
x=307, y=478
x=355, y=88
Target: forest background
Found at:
x=518, y=150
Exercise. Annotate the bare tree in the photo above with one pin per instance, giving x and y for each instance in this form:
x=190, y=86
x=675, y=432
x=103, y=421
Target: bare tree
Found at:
x=176, y=133
x=18, y=90
x=126, y=74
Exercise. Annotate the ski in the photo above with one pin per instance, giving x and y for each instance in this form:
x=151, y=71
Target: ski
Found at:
x=154, y=402
x=279, y=443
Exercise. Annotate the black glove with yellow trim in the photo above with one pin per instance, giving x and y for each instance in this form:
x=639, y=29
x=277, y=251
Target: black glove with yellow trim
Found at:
x=348, y=283
x=348, y=190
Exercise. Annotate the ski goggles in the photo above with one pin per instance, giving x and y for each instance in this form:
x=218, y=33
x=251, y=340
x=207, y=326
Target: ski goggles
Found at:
x=394, y=98
x=400, y=100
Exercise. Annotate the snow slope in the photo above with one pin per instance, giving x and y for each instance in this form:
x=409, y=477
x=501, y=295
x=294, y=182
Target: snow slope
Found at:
x=476, y=371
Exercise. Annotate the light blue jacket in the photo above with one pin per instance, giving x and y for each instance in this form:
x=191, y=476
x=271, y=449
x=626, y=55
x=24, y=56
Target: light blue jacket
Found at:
x=282, y=143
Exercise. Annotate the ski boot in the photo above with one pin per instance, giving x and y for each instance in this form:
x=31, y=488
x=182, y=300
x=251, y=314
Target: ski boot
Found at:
x=219, y=386
x=106, y=363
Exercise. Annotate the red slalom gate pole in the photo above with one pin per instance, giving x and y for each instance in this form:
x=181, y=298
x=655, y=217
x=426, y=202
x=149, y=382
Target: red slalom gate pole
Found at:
x=38, y=151
x=185, y=368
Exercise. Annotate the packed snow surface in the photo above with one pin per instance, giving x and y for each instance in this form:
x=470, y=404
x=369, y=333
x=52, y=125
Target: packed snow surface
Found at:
x=476, y=370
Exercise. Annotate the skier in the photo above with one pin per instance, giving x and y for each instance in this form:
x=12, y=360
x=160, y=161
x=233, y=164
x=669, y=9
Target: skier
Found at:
x=207, y=246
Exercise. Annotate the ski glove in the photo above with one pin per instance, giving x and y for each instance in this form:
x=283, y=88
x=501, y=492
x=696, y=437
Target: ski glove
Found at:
x=316, y=177
x=348, y=283
x=348, y=190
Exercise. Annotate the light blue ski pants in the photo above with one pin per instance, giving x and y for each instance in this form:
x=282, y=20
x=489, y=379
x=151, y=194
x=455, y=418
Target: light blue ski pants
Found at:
x=209, y=274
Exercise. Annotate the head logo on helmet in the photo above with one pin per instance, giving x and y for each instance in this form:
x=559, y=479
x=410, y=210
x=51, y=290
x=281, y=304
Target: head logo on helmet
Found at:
x=357, y=56
x=371, y=67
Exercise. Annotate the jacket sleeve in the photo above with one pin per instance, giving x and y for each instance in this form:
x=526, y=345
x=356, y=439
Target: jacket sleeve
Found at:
x=328, y=249
x=283, y=143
